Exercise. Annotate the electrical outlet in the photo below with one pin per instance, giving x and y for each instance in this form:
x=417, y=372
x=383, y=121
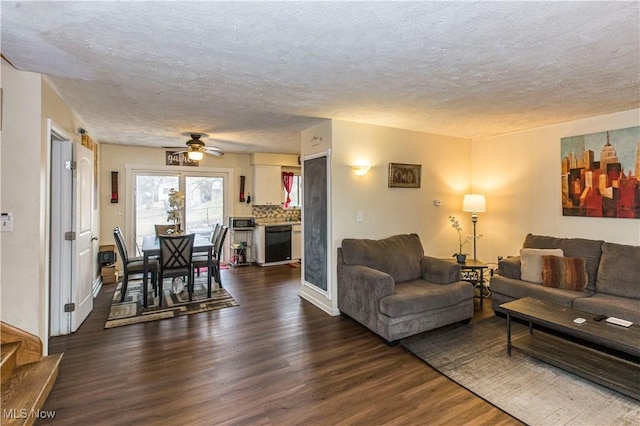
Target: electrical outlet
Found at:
x=359, y=216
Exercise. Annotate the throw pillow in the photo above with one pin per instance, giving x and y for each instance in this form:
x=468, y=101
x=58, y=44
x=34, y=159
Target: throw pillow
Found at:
x=567, y=273
x=531, y=263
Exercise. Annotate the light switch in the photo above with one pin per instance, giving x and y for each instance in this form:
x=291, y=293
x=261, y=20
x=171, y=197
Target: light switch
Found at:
x=6, y=222
x=359, y=216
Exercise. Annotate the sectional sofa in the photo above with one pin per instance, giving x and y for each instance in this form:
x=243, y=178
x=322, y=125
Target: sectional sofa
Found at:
x=589, y=275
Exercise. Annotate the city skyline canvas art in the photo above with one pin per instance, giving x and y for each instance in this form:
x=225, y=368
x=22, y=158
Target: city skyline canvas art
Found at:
x=600, y=174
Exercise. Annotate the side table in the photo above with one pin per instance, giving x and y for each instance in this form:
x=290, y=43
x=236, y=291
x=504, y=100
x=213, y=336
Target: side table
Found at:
x=473, y=271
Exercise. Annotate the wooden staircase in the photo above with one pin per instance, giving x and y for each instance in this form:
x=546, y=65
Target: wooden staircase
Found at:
x=27, y=376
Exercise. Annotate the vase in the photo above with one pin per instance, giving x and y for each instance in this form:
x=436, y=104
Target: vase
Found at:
x=461, y=258
x=176, y=229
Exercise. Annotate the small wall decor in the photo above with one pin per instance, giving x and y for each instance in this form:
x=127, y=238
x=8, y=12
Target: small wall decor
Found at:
x=404, y=175
x=600, y=173
x=114, y=187
x=315, y=140
x=242, y=181
x=178, y=158
x=172, y=159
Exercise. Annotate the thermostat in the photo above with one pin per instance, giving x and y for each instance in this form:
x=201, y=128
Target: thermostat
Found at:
x=6, y=222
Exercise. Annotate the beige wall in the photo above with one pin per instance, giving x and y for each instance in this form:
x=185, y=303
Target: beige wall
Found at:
x=388, y=211
x=520, y=175
x=285, y=160
x=55, y=108
x=22, y=291
x=445, y=175
x=115, y=157
x=29, y=101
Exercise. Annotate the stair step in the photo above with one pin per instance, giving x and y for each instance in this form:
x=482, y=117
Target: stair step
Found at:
x=26, y=389
x=8, y=358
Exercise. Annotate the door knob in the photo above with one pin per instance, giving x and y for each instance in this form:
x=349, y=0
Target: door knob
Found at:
x=94, y=238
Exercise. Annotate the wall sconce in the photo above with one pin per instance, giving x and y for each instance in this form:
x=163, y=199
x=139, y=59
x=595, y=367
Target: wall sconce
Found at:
x=360, y=170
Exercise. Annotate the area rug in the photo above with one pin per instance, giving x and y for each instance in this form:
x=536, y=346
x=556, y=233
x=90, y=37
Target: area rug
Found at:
x=223, y=267
x=475, y=356
x=173, y=305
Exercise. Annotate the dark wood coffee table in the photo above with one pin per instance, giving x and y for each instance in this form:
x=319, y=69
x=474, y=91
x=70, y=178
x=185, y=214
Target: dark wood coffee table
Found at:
x=614, y=360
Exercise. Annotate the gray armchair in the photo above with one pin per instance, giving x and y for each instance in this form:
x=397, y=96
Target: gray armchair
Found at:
x=396, y=291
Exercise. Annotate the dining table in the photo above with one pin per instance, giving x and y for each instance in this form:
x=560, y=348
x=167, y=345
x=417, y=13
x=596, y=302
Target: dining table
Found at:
x=151, y=248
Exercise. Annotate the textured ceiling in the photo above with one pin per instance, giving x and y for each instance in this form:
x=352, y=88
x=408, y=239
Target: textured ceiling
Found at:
x=252, y=75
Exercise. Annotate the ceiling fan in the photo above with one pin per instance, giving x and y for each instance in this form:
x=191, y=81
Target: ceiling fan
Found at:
x=196, y=148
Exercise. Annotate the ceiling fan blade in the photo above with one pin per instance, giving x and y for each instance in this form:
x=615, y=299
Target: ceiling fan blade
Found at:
x=195, y=145
x=213, y=152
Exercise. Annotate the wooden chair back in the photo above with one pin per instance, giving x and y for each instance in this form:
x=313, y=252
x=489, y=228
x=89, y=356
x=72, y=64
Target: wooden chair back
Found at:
x=176, y=252
x=217, y=247
x=162, y=229
x=121, y=244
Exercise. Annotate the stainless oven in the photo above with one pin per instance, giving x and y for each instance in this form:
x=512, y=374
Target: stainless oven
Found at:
x=239, y=223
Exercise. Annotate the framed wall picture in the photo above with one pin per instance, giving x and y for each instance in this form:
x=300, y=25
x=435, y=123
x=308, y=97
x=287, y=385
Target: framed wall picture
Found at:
x=600, y=173
x=404, y=175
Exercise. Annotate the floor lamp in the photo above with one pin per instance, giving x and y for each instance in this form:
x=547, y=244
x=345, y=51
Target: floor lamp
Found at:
x=474, y=203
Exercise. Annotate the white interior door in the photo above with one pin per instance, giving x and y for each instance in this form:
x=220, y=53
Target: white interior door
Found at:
x=82, y=247
x=61, y=223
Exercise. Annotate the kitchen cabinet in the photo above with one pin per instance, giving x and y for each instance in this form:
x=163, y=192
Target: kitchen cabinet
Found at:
x=267, y=185
x=296, y=242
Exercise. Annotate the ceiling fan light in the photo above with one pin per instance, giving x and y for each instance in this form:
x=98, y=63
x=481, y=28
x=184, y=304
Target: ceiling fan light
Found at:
x=195, y=155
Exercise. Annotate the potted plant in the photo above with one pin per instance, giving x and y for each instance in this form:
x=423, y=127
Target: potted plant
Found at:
x=459, y=255
x=176, y=203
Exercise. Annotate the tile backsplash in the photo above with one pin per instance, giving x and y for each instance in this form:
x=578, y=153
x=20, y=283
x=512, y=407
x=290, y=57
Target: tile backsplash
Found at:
x=275, y=212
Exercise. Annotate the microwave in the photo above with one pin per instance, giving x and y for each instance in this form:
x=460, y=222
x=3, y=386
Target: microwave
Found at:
x=238, y=222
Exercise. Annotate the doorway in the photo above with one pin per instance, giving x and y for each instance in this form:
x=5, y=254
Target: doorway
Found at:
x=71, y=238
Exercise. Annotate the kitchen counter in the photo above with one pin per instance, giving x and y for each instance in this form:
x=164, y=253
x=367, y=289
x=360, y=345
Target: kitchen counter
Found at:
x=276, y=222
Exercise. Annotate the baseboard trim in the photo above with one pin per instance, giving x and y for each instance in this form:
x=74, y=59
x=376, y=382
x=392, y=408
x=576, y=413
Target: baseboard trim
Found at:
x=309, y=297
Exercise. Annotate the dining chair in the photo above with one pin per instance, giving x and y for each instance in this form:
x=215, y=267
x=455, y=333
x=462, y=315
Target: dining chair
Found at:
x=133, y=265
x=163, y=229
x=219, y=244
x=176, y=254
x=202, y=260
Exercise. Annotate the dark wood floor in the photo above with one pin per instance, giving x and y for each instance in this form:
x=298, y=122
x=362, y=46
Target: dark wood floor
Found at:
x=274, y=360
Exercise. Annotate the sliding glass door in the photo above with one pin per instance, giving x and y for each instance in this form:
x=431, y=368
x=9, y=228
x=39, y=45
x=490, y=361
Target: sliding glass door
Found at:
x=204, y=201
x=151, y=195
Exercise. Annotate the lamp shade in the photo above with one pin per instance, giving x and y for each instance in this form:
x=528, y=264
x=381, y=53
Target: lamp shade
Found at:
x=195, y=155
x=475, y=203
